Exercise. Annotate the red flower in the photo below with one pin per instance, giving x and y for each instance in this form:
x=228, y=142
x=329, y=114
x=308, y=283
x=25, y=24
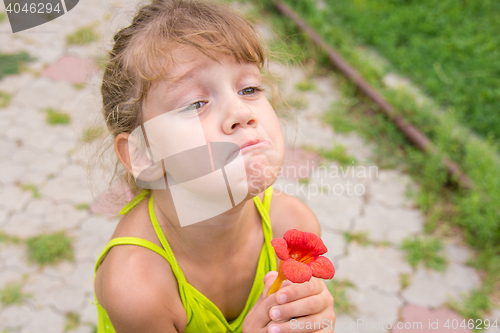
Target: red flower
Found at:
x=300, y=254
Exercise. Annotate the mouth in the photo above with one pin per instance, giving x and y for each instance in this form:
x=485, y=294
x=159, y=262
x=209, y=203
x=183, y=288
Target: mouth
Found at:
x=248, y=145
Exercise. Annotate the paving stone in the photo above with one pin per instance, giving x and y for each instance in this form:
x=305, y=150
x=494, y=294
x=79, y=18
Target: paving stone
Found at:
x=47, y=321
x=393, y=224
x=48, y=163
x=88, y=247
x=66, y=217
x=309, y=132
x=335, y=212
x=376, y=309
x=75, y=191
x=391, y=188
x=8, y=148
x=355, y=146
x=24, y=225
x=44, y=93
x=82, y=275
x=9, y=275
x=41, y=207
x=334, y=242
x=13, y=198
x=40, y=284
x=335, y=179
x=430, y=288
x=16, y=315
x=3, y=217
x=13, y=83
x=14, y=256
x=457, y=253
x=10, y=173
x=98, y=227
x=89, y=312
x=416, y=318
x=67, y=299
x=373, y=266
x=494, y=319
x=70, y=68
x=59, y=271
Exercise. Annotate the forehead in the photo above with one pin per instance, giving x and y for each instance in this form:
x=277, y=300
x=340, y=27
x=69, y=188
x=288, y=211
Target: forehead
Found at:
x=189, y=62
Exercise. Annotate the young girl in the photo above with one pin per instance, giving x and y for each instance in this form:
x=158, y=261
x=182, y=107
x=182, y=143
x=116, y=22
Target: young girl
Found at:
x=185, y=265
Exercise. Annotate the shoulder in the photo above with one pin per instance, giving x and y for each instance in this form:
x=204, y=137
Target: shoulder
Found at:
x=287, y=212
x=138, y=293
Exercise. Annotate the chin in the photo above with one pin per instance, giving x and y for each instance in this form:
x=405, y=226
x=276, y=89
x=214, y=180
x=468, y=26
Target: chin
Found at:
x=261, y=174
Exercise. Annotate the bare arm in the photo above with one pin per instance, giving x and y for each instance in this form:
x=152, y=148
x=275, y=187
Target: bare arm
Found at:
x=139, y=297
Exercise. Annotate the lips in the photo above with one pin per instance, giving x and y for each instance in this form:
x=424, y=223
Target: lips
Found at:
x=250, y=143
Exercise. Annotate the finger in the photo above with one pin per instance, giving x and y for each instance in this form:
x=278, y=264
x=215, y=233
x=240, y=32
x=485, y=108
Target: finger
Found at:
x=297, y=291
x=268, y=281
x=301, y=307
x=313, y=323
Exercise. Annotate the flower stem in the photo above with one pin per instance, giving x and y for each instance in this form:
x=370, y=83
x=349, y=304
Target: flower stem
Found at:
x=279, y=280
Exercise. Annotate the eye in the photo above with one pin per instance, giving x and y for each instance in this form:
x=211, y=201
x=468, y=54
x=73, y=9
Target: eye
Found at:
x=193, y=107
x=251, y=90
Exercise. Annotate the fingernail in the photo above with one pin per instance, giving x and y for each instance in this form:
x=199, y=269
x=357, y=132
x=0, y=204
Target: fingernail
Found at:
x=275, y=329
x=275, y=314
x=282, y=298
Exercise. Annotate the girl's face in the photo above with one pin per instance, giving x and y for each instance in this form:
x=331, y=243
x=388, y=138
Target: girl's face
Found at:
x=228, y=101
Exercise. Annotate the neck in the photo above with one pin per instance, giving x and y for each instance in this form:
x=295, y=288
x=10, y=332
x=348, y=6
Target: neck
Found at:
x=210, y=240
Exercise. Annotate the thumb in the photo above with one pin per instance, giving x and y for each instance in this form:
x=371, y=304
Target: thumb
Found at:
x=268, y=281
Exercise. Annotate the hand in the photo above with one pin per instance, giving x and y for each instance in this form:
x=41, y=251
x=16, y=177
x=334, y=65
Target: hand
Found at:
x=257, y=319
x=297, y=307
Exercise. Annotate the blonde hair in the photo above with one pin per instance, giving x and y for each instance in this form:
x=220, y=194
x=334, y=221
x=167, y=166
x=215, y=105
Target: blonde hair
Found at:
x=142, y=54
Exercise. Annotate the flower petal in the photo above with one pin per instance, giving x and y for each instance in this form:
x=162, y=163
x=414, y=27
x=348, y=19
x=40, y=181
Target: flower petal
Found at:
x=322, y=268
x=295, y=271
x=280, y=248
x=304, y=244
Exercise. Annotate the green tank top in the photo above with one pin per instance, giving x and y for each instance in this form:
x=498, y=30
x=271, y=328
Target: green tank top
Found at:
x=202, y=314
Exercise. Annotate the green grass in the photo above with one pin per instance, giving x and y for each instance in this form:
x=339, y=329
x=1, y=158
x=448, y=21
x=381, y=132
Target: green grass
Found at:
x=5, y=98
x=404, y=279
x=72, y=321
x=35, y=192
x=49, y=249
x=337, y=153
x=359, y=237
x=426, y=251
x=57, y=117
x=3, y=16
x=82, y=206
x=82, y=36
x=12, y=63
x=12, y=294
x=449, y=48
x=306, y=85
x=338, y=290
x=92, y=133
x=6, y=238
x=474, y=306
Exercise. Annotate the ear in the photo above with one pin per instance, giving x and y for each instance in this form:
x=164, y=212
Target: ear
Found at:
x=132, y=153
x=122, y=150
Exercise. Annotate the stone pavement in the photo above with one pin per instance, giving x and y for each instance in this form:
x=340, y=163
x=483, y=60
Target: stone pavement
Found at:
x=355, y=199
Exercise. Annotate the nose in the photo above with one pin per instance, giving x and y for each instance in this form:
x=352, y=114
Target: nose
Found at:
x=238, y=114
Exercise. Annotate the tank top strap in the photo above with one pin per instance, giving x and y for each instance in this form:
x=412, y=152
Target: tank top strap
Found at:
x=129, y=241
x=263, y=208
x=168, y=251
x=138, y=198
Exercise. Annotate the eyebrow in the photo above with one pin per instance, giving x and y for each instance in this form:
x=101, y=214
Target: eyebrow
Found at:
x=176, y=83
